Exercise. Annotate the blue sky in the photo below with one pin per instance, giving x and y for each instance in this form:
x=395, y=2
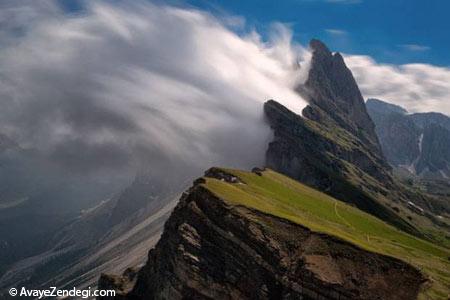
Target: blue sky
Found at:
x=391, y=31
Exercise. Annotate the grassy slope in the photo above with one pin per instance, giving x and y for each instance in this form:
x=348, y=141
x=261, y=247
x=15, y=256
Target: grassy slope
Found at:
x=283, y=197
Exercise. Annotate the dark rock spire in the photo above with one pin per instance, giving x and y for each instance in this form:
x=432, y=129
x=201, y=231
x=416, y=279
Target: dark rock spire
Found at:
x=332, y=89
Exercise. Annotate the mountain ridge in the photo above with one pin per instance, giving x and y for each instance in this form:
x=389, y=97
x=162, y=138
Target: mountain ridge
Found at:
x=217, y=245
x=227, y=238
x=417, y=142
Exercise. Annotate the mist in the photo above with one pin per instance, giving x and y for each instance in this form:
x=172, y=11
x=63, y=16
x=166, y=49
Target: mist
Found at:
x=416, y=87
x=133, y=85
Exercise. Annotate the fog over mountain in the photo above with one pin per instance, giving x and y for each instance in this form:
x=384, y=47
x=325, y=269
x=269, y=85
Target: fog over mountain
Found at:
x=416, y=87
x=114, y=85
x=101, y=90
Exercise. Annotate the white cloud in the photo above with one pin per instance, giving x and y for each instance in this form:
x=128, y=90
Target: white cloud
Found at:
x=136, y=79
x=415, y=47
x=133, y=79
x=416, y=87
x=337, y=32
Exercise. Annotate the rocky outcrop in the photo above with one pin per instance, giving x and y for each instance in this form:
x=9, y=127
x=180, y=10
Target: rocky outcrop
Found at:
x=211, y=249
x=398, y=135
x=332, y=161
x=334, y=96
x=417, y=142
x=335, y=124
x=333, y=147
x=435, y=151
x=120, y=284
x=300, y=143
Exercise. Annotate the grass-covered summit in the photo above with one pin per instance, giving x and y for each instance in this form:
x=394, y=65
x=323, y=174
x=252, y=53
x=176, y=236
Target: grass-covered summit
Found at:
x=280, y=196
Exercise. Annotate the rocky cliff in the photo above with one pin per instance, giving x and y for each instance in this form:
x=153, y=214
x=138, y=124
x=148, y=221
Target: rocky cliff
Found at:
x=417, y=142
x=212, y=248
x=435, y=151
x=335, y=121
x=398, y=135
x=334, y=96
x=333, y=146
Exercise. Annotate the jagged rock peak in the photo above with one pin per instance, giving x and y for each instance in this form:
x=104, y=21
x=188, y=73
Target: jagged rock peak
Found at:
x=334, y=95
x=319, y=49
x=318, y=46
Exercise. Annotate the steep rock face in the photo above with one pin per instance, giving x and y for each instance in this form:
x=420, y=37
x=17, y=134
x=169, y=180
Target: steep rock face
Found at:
x=332, y=161
x=398, y=135
x=418, y=142
x=435, y=151
x=298, y=140
x=430, y=118
x=211, y=249
x=333, y=147
x=331, y=88
x=336, y=116
x=401, y=143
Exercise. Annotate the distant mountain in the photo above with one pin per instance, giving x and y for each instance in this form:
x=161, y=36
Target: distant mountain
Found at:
x=383, y=108
x=106, y=238
x=423, y=120
x=37, y=199
x=398, y=134
x=418, y=142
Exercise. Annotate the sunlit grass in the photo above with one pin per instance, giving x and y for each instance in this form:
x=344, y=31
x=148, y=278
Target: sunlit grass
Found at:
x=283, y=197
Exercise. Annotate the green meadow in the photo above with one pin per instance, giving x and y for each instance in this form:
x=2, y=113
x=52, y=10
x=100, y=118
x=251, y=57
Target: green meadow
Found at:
x=278, y=195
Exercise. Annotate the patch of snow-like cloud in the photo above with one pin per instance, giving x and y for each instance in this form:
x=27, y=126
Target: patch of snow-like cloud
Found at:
x=416, y=87
x=414, y=47
x=336, y=32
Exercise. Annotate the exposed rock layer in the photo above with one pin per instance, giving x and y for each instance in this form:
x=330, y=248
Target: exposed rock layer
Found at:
x=333, y=146
x=213, y=250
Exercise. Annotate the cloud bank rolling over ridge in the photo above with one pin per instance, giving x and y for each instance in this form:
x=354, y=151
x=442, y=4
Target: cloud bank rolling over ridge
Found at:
x=123, y=83
x=416, y=87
